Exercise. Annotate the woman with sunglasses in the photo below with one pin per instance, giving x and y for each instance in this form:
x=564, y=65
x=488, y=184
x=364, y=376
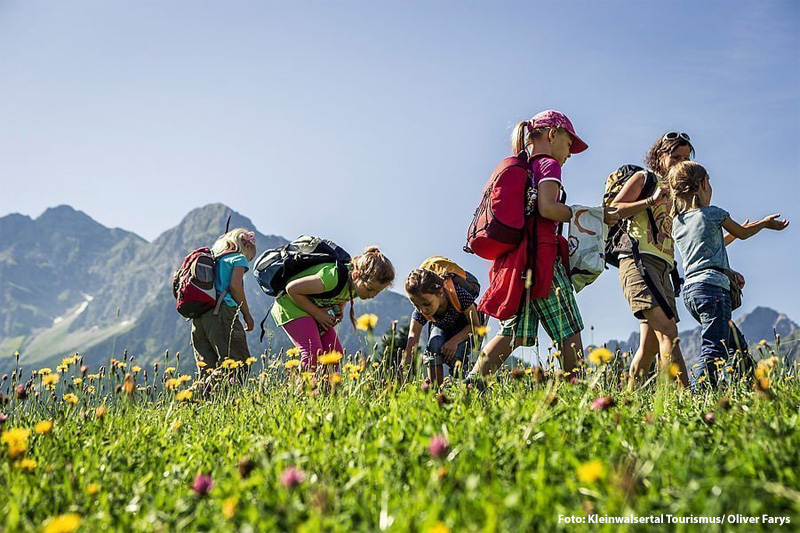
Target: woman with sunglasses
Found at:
x=647, y=277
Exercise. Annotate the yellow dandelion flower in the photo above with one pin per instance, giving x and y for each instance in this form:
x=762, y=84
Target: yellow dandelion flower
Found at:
x=44, y=371
x=176, y=425
x=438, y=527
x=330, y=358
x=169, y=370
x=600, y=356
x=65, y=523
x=49, y=380
x=480, y=331
x=375, y=365
x=70, y=398
x=136, y=369
x=293, y=352
x=201, y=364
x=77, y=381
x=93, y=377
x=231, y=364
x=184, y=378
x=172, y=383
x=367, y=322
x=590, y=472
x=353, y=375
x=229, y=507
x=674, y=370
x=292, y=363
x=26, y=465
x=44, y=427
x=92, y=489
x=762, y=342
x=184, y=395
x=16, y=440
x=335, y=378
x=250, y=360
x=100, y=412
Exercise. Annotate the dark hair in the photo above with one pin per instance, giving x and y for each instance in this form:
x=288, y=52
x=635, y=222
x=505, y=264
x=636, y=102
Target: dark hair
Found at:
x=662, y=147
x=423, y=281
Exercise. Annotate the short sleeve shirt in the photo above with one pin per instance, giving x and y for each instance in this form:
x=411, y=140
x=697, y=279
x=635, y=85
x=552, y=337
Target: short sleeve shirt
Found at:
x=285, y=309
x=452, y=321
x=223, y=268
x=698, y=236
x=546, y=168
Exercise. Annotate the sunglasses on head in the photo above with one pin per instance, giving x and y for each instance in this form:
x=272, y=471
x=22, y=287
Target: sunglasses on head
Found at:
x=672, y=135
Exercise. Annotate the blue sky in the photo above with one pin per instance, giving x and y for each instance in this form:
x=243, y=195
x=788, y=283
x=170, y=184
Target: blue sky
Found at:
x=380, y=122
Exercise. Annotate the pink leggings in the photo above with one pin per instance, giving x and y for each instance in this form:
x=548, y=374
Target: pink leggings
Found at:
x=306, y=336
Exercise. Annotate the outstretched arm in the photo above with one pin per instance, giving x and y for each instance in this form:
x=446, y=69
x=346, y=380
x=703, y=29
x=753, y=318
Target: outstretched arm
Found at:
x=743, y=232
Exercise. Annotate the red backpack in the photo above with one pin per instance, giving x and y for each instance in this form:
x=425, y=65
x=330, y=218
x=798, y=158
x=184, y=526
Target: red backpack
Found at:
x=193, y=284
x=499, y=220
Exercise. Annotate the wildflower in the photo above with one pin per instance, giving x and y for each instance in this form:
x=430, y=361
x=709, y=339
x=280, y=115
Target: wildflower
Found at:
x=100, y=412
x=292, y=477
x=184, y=395
x=65, y=523
x=246, y=467
x=367, y=322
x=184, y=378
x=92, y=489
x=709, y=418
x=293, y=352
x=335, y=378
x=438, y=447
x=330, y=358
x=539, y=375
x=292, y=363
x=21, y=391
x=230, y=364
x=250, y=360
x=176, y=425
x=171, y=369
x=602, y=403
x=3, y=418
x=229, y=507
x=438, y=527
x=129, y=387
x=50, y=380
x=93, y=377
x=136, y=369
x=674, y=370
x=600, y=356
x=590, y=472
x=16, y=440
x=172, y=383
x=201, y=364
x=70, y=398
x=26, y=465
x=44, y=371
x=425, y=386
x=62, y=368
x=202, y=484
x=77, y=381
x=480, y=331
x=44, y=427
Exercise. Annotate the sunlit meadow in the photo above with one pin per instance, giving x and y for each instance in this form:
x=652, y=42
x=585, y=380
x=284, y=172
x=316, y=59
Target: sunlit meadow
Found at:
x=264, y=446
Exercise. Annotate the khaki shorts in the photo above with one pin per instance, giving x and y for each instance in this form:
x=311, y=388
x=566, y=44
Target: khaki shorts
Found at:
x=218, y=337
x=635, y=289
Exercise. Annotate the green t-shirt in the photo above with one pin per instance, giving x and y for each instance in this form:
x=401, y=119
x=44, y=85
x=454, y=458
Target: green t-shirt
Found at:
x=286, y=310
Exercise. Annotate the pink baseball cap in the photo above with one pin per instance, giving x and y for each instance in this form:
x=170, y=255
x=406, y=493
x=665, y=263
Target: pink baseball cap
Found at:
x=556, y=119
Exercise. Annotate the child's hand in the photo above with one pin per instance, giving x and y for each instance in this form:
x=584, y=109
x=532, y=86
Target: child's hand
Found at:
x=449, y=350
x=249, y=322
x=325, y=320
x=772, y=222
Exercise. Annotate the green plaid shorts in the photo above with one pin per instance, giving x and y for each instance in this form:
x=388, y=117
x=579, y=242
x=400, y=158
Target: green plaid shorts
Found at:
x=558, y=314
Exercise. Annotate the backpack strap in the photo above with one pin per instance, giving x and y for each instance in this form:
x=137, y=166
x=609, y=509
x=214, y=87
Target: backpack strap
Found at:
x=452, y=295
x=648, y=280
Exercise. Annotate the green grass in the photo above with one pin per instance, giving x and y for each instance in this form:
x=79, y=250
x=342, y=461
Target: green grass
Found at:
x=511, y=465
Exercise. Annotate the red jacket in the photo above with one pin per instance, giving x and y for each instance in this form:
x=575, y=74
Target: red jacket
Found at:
x=507, y=275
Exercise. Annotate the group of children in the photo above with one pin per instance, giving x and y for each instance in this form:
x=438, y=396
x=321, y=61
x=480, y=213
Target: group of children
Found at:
x=676, y=211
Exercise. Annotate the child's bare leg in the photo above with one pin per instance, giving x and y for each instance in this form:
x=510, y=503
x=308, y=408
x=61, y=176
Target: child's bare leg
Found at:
x=667, y=332
x=571, y=348
x=493, y=355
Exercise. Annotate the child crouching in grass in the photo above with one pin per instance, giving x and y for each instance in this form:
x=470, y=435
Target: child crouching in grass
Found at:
x=453, y=320
x=697, y=231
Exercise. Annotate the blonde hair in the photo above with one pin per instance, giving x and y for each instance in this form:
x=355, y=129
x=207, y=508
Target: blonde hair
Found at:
x=685, y=180
x=524, y=135
x=233, y=241
x=372, y=265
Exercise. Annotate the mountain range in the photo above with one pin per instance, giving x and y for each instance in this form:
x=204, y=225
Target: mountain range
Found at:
x=71, y=285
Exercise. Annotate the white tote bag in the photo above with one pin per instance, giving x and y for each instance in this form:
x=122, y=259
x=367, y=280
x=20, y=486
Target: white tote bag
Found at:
x=587, y=238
